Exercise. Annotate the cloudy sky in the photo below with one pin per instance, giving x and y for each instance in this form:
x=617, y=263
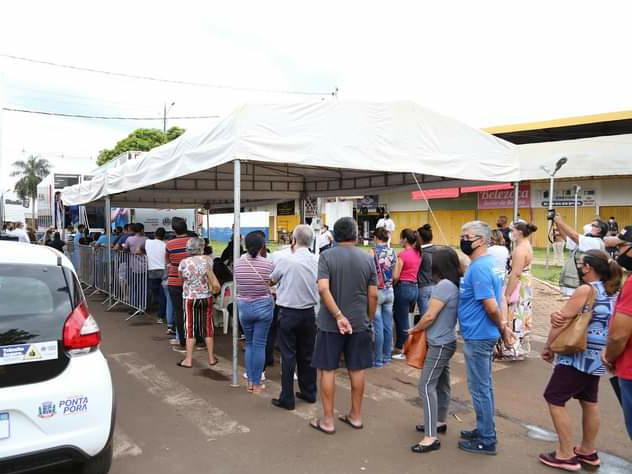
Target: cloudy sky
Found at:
x=485, y=63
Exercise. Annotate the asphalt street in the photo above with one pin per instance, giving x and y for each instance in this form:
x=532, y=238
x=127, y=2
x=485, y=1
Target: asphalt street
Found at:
x=173, y=420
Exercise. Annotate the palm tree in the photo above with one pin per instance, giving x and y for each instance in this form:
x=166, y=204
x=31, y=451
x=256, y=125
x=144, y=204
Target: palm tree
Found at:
x=31, y=173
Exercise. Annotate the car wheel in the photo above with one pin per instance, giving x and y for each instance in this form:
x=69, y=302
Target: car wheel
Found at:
x=100, y=464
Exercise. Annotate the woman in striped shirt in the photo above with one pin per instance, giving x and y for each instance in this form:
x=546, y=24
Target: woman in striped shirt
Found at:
x=256, y=306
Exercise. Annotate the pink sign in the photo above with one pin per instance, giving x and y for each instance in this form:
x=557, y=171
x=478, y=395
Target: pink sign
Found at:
x=504, y=198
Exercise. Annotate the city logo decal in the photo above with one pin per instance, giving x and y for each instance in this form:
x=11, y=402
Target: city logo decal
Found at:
x=46, y=410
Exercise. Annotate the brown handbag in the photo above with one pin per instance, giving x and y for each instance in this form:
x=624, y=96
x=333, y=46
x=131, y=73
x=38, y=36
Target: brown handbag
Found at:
x=415, y=349
x=574, y=337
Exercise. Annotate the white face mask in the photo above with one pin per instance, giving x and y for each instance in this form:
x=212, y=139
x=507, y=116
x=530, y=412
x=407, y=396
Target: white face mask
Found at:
x=512, y=237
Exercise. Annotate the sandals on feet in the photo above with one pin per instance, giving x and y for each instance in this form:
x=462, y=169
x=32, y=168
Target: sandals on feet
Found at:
x=180, y=364
x=347, y=420
x=317, y=426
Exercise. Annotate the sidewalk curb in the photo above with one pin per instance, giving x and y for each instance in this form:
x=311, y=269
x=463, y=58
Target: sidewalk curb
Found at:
x=548, y=285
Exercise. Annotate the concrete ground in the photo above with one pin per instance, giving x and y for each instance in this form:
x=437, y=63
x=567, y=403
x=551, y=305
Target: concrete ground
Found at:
x=173, y=420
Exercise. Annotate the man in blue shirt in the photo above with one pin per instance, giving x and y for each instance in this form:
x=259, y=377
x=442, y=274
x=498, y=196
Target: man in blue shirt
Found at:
x=482, y=323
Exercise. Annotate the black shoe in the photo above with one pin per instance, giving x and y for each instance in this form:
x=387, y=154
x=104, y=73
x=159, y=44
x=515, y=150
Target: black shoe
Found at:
x=418, y=448
x=305, y=398
x=441, y=429
x=279, y=404
x=469, y=435
x=478, y=447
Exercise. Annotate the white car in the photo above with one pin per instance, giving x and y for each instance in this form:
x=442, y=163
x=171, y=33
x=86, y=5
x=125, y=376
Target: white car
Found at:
x=56, y=395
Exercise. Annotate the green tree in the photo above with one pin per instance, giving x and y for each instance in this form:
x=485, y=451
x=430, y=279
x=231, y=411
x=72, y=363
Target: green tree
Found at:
x=31, y=173
x=141, y=139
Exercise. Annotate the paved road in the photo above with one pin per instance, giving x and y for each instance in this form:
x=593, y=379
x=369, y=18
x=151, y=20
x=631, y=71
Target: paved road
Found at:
x=173, y=420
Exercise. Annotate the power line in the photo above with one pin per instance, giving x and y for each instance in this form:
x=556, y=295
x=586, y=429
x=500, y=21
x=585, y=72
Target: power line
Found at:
x=106, y=117
x=160, y=79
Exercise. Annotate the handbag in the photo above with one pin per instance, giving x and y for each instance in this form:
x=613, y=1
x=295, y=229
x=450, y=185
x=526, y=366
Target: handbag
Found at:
x=574, y=337
x=415, y=349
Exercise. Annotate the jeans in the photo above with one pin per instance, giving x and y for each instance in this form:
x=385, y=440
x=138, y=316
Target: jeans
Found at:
x=434, y=386
x=424, y=299
x=157, y=295
x=406, y=294
x=478, y=361
x=626, y=402
x=171, y=319
x=383, y=326
x=178, y=311
x=256, y=317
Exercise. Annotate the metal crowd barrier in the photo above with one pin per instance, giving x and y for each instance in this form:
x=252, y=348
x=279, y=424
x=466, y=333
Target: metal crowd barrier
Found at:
x=127, y=284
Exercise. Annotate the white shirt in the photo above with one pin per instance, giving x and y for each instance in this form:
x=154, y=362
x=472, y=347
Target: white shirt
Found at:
x=586, y=244
x=500, y=255
x=20, y=234
x=156, y=252
x=296, y=274
x=280, y=254
x=325, y=239
x=388, y=224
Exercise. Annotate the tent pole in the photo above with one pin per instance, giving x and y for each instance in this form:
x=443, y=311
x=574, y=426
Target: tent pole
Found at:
x=108, y=232
x=516, y=201
x=236, y=255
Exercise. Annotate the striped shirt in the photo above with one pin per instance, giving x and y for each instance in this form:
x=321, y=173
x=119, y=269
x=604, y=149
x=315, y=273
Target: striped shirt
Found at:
x=253, y=277
x=176, y=252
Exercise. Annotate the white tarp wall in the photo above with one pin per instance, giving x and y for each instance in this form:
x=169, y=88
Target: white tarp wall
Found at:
x=336, y=210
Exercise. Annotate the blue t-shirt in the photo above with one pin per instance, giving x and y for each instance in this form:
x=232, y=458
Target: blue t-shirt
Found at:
x=103, y=240
x=481, y=282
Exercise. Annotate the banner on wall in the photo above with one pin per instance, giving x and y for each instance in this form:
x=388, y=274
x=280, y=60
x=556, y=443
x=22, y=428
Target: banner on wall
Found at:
x=504, y=198
x=565, y=197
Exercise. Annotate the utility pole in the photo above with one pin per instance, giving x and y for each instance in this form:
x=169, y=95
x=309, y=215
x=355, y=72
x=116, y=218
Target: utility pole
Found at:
x=164, y=115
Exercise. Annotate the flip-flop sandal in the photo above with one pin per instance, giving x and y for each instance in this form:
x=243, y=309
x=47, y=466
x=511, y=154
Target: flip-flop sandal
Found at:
x=213, y=363
x=180, y=364
x=347, y=420
x=316, y=425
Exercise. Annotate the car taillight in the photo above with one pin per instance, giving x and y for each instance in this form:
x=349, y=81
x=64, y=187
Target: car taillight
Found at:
x=81, y=331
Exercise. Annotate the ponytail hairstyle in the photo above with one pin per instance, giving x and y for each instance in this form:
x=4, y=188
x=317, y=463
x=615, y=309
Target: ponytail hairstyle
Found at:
x=425, y=233
x=254, y=243
x=609, y=271
x=410, y=236
x=526, y=228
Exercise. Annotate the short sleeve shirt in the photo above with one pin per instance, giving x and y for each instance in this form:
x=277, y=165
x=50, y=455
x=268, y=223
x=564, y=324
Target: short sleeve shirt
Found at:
x=176, y=252
x=135, y=243
x=585, y=244
x=350, y=272
x=385, y=260
x=193, y=271
x=253, y=277
x=443, y=329
x=481, y=282
x=624, y=307
x=296, y=276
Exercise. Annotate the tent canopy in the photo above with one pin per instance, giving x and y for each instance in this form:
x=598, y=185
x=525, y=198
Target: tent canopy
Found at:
x=309, y=149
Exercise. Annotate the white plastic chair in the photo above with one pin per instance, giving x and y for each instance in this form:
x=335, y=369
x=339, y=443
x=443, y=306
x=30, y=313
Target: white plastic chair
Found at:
x=225, y=298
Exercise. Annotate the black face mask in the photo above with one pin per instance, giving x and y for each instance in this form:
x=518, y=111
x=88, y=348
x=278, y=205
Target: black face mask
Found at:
x=466, y=246
x=625, y=260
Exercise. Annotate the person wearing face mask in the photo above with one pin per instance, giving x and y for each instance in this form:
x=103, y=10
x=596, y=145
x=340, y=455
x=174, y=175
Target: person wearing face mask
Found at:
x=503, y=227
x=618, y=355
x=578, y=245
x=519, y=289
x=482, y=324
x=577, y=375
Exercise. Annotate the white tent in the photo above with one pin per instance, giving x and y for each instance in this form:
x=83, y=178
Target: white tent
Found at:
x=315, y=149
x=587, y=157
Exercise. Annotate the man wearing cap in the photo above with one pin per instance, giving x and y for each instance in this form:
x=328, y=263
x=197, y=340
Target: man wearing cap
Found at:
x=618, y=354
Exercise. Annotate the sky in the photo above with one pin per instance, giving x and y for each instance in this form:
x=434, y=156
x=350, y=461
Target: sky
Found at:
x=485, y=63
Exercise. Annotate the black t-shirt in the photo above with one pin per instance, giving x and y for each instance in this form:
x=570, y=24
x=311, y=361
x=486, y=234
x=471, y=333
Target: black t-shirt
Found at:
x=424, y=276
x=56, y=244
x=506, y=231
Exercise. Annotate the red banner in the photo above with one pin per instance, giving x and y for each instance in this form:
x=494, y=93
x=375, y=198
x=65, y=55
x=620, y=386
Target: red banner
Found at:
x=435, y=194
x=504, y=198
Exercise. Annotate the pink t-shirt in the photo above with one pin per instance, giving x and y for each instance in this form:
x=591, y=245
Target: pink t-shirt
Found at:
x=411, y=260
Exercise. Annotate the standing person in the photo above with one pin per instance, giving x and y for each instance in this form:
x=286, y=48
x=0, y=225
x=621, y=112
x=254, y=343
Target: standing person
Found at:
x=176, y=250
x=618, y=355
x=387, y=223
x=116, y=235
x=227, y=254
x=199, y=285
x=481, y=323
x=325, y=239
x=156, y=250
x=519, y=289
x=498, y=250
x=424, y=276
x=347, y=282
x=406, y=289
x=439, y=322
x=577, y=375
x=578, y=245
x=296, y=296
x=56, y=242
x=136, y=242
x=558, y=247
x=503, y=226
x=256, y=306
x=20, y=233
x=613, y=227
x=126, y=234
x=48, y=236
x=81, y=229
x=384, y=258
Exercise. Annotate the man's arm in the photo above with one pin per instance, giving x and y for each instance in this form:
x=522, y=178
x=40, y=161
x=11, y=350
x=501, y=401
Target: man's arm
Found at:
x=619, y=334
x=495, y=314
x=372, y=293
x=566, y=230
x=344, y=326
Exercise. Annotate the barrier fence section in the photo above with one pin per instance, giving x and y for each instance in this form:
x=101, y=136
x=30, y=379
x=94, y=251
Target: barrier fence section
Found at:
x=126, y=285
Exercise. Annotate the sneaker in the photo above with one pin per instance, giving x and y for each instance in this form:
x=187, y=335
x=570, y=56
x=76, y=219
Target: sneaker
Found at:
x=590, y=459
x=400, y=356
x=180, y=349
x=171, y=331
x=469, y=434
x=174, y=342
x=160, y=321
x=476, y=446
x=551, y=460
x=263, y=376
x=377, y=365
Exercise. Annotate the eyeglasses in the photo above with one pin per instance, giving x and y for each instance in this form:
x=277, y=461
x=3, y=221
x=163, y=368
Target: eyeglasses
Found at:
x=470, y=238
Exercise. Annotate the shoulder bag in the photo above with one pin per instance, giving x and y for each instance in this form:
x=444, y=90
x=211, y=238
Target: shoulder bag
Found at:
x=574, y=337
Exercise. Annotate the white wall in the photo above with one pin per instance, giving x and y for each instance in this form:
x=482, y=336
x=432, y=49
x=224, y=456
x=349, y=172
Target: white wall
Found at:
x=336, y=210
x=401, y=201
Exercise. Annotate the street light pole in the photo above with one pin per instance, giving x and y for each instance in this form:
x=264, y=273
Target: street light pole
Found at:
x=164, y=115
x=561, y=162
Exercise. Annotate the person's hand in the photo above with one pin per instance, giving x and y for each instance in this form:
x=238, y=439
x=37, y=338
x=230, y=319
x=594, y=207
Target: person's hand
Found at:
x=344, y=326
x=509, y=338
x=414, y=330
x=547, y=354
x=558, y=320
x=607, y=363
